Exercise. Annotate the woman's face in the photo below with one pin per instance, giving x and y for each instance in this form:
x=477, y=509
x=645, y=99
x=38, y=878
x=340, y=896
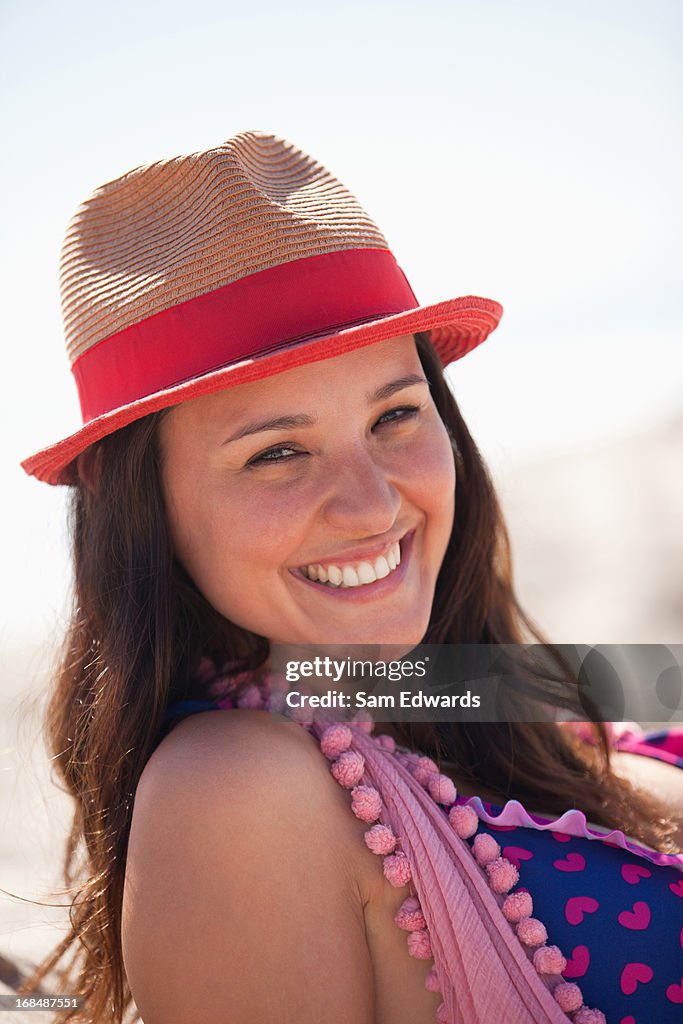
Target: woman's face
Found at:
x=330, y=465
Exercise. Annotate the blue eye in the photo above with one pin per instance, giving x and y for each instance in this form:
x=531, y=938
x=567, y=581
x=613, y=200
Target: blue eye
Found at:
x=272, y=455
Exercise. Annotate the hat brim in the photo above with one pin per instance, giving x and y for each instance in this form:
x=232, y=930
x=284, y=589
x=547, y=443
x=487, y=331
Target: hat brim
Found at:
x=456, y=326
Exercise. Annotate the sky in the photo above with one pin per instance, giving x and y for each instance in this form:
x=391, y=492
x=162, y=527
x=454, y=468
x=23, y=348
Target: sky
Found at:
x=527, y=152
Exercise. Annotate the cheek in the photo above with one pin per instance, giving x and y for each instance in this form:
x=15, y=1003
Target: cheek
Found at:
x=432, y=475
x=232, y=541
x=196, y=525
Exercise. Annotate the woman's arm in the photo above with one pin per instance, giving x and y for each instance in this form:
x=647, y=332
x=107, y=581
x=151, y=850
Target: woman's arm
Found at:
x=243, y=899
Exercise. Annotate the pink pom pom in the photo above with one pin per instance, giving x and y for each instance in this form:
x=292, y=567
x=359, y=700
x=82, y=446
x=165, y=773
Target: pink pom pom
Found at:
x=302, y=715
x=386, y=742
x=432, y=982
x=568, y=996
x=442, y=1014
x=250, y=697
x=380, y=839
x=549, y=960
x=366, y=803
x=464, y=820
x=410, y=917
x=442, y=789
x=397, y=869
x=423, y=770
x=277, y=703
x=364, y=720
x=226, y=683
x=485, y=849
x=419, y=945
x=531, y=932
x=229, y=679
x=348, y=769
x=502, y=875
x=335, y=740
x=587, y=1015
x=518, y=905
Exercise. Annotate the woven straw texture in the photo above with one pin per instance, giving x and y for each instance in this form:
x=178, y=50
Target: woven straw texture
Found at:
x=178, y=228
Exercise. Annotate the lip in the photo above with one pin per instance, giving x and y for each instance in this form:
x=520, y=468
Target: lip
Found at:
x=355, y=555
x=369, y=591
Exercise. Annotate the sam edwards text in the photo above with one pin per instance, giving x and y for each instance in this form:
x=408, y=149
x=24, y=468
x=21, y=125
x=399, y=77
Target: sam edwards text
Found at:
x=362, y=699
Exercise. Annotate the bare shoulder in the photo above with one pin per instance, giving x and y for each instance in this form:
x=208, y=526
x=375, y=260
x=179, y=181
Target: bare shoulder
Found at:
x=245, y=748
x=264, y=765
x=244, y=879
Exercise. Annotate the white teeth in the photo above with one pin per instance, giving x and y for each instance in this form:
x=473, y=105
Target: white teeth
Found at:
x=334, y=575
x=382, y=568
x=366, y=573
x=350, y=577
x=358, y=575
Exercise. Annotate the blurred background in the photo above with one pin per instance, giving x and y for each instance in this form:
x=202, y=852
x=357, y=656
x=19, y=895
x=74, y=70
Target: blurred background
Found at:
x=528, y=152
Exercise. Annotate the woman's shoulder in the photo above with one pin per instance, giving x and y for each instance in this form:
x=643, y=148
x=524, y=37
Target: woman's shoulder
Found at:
x=231, y=743
x=242, y=849
x=245, y=762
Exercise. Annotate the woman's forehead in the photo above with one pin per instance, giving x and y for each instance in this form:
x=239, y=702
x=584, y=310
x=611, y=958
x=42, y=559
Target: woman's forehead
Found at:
x=353, y=372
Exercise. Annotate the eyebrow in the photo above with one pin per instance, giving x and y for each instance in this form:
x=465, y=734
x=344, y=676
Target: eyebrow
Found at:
x=302, y=420
x=387, y=390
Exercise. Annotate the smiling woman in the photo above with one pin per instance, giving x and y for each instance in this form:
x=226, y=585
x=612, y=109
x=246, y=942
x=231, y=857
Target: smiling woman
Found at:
x=269, y=455
x=363, y=464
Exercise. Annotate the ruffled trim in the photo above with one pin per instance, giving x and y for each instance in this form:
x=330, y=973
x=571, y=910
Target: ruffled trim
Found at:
x=572, y=823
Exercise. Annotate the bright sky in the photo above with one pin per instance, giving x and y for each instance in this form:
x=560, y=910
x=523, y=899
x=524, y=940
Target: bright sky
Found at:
x=530, y=152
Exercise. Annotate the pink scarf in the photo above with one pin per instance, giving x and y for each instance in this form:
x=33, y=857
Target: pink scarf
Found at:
x=484, y=971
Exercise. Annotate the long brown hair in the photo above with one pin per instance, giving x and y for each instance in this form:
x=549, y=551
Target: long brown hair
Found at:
x=140, y=627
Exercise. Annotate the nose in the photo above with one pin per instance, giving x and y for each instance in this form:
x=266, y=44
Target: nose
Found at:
x=360, y=498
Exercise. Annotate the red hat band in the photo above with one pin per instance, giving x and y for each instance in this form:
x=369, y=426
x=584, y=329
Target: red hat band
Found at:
x=293, y=302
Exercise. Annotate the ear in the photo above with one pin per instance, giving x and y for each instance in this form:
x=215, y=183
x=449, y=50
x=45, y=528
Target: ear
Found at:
x=88, y=465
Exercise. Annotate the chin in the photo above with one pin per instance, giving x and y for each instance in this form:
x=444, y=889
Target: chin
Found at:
x=406, y=637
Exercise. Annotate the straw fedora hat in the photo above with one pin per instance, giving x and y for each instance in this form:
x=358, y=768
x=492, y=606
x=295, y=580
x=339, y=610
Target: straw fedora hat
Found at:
x=200, y=272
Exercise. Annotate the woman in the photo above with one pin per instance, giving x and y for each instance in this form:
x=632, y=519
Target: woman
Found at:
x=270, y=454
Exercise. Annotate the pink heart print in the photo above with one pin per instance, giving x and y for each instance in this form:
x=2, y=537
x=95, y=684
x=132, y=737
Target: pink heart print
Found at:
x=578, y=963
x=677, y=888
x=516, y=854
x=577, y=906
x=560, y=837
x=627, y=1020
x=674, y=993
x=633, y=975
x=632, y=873
x=637, y=919
x=572, y=862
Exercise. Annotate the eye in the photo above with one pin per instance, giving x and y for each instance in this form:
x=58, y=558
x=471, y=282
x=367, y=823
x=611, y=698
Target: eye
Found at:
x=403, y=412
x=272, y=455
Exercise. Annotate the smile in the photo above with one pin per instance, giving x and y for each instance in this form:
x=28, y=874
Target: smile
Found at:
x=355, y=574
